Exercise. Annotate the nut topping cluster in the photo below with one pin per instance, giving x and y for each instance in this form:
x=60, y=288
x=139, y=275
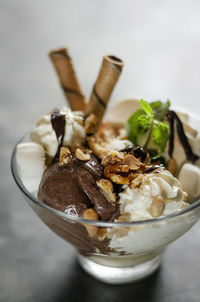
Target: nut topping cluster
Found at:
x=121, y=168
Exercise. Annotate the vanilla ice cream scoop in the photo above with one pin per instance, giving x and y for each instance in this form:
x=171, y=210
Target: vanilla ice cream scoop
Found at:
x=155, y=194
x=44, y=134
x=189, y=177
x=30, y=164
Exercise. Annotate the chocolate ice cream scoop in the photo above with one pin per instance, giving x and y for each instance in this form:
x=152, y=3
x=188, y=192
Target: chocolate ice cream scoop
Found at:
x=104, y=208
x=72, y=188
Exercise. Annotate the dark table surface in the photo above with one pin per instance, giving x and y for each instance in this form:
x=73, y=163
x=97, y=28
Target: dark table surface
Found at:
x=160, y=44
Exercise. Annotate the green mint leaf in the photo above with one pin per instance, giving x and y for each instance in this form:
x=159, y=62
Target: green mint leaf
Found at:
x=146, y=108
x=160, y=109
x=160, y=134
x=136, y=125
x=144, y=122
x=149, y=118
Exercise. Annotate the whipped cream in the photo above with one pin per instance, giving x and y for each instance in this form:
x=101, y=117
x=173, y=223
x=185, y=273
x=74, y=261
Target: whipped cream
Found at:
x=44, y=134
x=135, y=203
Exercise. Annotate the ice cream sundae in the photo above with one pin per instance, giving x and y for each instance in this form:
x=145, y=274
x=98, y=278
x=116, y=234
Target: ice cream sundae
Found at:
x=136, y=164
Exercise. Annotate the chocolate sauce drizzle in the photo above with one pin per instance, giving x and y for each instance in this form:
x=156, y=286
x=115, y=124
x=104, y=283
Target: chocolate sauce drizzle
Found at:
x=171, y=137
x=172, y=116
x=58, y=124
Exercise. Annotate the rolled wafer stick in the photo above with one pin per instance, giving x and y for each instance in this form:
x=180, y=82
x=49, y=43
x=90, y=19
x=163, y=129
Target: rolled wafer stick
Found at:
x=67, y=76
x=109, y=73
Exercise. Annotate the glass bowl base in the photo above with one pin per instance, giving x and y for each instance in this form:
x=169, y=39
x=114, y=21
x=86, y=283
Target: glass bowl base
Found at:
x=119, y=275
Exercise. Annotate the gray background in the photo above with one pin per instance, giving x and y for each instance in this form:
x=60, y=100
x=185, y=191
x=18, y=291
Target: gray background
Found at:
x=160, y=44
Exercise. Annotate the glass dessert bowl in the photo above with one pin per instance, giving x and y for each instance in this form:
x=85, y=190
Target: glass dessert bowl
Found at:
x=119, y=190
x=135, y=249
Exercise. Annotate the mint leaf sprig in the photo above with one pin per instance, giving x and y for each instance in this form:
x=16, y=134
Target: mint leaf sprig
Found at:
x=147, y=123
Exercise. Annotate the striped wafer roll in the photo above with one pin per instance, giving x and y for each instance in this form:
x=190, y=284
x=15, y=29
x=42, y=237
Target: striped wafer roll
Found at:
x=67, y=76
x=109, y=73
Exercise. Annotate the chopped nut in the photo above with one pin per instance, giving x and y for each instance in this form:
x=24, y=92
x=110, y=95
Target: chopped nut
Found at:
x=97, y=146
x=118, y=179
x=107, y=188
x=157, y=207
x=91, y=214
x=172, y=166
x=132, y=162
x=101, y=235
x=112, y=157
x=65, y=156
x=81, y=155
x=91, y=124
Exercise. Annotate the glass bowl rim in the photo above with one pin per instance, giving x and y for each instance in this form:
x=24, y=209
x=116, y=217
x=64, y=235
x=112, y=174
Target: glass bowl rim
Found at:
x=99, y=223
